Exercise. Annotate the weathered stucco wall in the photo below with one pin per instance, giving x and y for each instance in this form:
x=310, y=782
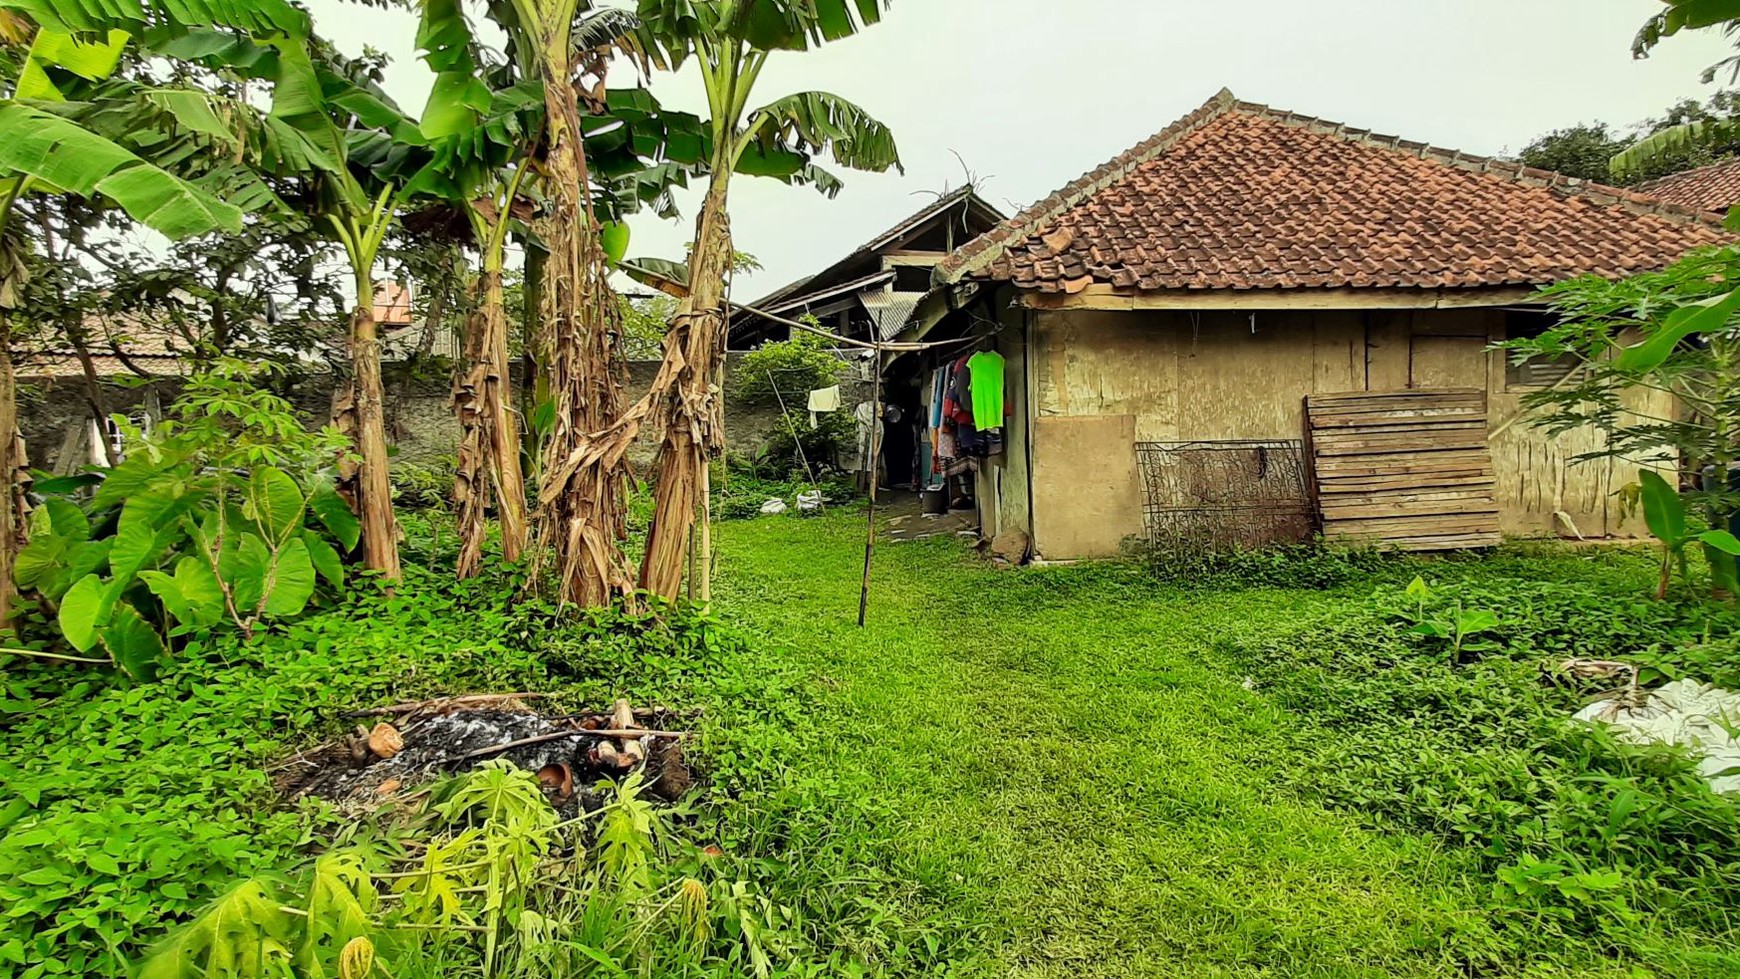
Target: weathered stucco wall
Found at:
x=1087, y=493
x=1218, y=375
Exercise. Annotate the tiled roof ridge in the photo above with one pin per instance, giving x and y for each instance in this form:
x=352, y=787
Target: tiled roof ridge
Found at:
x=1595, y=191
x=984, y=250
x=1712, y=184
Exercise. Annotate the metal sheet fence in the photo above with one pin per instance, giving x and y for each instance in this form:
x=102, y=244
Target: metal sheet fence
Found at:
x=1224, y=495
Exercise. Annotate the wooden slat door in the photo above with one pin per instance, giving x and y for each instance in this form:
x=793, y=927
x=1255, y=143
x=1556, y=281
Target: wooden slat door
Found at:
x=1408, y=470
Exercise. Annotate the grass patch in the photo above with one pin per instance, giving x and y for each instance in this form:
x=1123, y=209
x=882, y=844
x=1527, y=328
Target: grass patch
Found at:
x=1060, y=772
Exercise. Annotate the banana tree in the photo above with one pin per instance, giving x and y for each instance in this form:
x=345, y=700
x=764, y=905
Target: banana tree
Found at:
x=730, y=42
x=339, y=131
x=44, y=149
x=486, y=122
x=582, y=515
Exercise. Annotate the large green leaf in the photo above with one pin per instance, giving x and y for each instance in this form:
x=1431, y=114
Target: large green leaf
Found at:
x=193, y=110
x=87, y=57
x=1704, y=316
x=1682, y=15
x=160, y=507
x=1721, y=540
x=247, y=569
x=38, y=560
x=84, y=611
x=1672, y=142
x=1663, y=511
x=335, y=515
x=99, y=16
x=325, y=560
x=813, y=122
x=133, y=644
x=291, y=581
x=66, y=520
x=192, y=595
x=51, y=565
x=137, y=547
x=275, y=503
x=64, y=155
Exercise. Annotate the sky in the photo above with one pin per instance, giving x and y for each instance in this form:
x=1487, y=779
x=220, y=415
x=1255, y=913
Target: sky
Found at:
x=1027, y=95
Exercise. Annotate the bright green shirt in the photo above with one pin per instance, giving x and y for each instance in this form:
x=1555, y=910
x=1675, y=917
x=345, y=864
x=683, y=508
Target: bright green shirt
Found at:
x=986, y=373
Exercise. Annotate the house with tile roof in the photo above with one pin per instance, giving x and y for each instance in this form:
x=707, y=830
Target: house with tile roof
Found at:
x=1256, y=324
x=874, y=291
x=1715, y=187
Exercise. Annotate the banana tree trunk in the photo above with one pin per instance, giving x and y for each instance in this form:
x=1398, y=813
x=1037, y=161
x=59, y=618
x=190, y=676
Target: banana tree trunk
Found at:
x=15, y=469
x=691, y=407
x=359, y=410
x=582, y=513
x=489, y=447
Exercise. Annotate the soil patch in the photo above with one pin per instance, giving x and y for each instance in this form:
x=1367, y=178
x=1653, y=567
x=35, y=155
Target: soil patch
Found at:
x=416, y=743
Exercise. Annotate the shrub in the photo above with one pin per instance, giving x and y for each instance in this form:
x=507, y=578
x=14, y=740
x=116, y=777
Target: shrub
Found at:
x=202, y=527
x=424, y=485
x=786, y=371
x=1316, y=565
x=1581, y=834
x=131, y=807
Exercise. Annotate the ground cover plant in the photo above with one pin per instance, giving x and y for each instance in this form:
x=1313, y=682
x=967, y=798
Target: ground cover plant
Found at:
x=1079, y=771
x=133, y=806
x=1444, y=710
x=1086, y=772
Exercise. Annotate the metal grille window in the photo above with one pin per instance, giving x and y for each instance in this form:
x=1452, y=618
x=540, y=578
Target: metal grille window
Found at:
x=1224, y=495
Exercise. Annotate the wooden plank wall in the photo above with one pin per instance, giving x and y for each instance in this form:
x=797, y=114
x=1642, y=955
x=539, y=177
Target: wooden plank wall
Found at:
x=1408, y=470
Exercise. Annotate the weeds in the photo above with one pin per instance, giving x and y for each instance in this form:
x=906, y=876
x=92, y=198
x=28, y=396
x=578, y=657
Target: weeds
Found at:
x=1584, y=839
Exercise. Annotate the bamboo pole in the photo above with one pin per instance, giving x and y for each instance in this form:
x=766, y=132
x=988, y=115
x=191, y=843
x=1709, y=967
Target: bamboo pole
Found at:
x=875, y=455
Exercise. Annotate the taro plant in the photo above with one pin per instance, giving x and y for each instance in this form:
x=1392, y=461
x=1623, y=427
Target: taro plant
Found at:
x=1665, y=513
x=201, y=526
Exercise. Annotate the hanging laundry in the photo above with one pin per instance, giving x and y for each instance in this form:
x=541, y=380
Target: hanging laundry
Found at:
x=986, y=388
x=823, y=402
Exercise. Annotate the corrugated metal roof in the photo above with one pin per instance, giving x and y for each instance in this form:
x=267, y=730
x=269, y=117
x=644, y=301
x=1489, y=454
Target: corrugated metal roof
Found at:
x=891, y=310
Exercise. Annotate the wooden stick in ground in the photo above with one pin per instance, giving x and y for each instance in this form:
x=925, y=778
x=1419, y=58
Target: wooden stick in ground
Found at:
x=875, y=456
x=582, y=733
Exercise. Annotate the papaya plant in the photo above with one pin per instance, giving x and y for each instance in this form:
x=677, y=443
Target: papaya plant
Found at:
x=202, y=526
x=1665, y=514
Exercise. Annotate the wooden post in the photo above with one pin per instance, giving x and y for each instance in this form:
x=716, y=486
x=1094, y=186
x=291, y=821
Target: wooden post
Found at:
x=875, y=454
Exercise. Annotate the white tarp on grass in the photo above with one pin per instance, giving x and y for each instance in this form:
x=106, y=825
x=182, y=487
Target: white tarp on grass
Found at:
x=1701, y=717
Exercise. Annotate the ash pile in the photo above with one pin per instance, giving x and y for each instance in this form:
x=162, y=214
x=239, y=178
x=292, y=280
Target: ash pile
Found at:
x=413, y=744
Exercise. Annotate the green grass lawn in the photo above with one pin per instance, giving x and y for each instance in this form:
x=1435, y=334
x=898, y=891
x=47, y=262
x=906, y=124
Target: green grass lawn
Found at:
x=1057, y=775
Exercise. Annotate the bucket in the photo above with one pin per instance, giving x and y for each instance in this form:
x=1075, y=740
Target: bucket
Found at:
x=934, y=501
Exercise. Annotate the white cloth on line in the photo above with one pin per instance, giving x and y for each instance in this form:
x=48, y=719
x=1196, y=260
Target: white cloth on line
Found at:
x=823, y=401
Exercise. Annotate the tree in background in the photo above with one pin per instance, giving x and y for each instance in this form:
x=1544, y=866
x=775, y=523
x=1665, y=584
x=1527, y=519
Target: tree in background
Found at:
x=72, y=44
x=1690, y=135
x=1651, y=148
x=1580, y=151
x=582, y=518
x=729, y=43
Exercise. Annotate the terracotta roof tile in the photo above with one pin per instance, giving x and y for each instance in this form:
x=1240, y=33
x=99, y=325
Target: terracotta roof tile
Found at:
x=1241, y=196
x=1712, y=188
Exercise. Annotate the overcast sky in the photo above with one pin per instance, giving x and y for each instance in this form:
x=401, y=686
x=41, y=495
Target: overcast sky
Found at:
x=1033, y=93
